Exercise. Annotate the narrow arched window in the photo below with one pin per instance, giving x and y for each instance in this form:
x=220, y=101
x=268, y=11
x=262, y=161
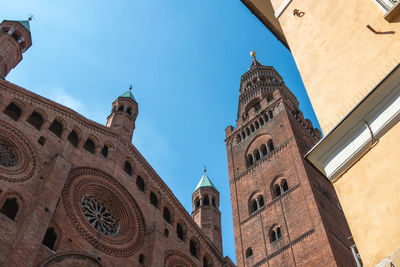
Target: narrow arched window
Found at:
x=50, y=238
x=271, y=115
x=36, y=120
x=264, y=150
x=247, y=131
x=129, y=110
x=243, y=135
x=207, y=261
x=261, y=201
x=121, y=108
x=273, y=236
x=197, y=204
x=140, y=183
x=104, y=151
x=179, y=231
x=238, y=139
x=270, y=145
x=10, y=208
x=13, y=111
x=167, y=215
x=249, y=252
x=254, y=206
x=90, y=146
x=56, y=127
x=252, y=128
x=256, y=124
x=206, y=200
x=141, y=258
x=261, y=121
x=285, y=186
x=128, y=168
x=266, y=119
x=277, y=190
x=278, y=233
x=213, y=202
x=153, y=199
x=194, y=248
x=250, y=160
x=256, y=154
x=73, y=138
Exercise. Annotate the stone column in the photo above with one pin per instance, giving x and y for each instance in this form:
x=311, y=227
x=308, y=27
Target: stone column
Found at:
x=34, y=226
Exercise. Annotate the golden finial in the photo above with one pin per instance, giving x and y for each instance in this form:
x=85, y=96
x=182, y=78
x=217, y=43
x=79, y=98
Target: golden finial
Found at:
x=253, y=53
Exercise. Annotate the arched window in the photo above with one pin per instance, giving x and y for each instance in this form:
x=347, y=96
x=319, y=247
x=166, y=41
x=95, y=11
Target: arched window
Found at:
x=261, y=121
x=254, y=206
x=121, y=108
x=167, y=215
x=278, y=233
x=104, y=151
x=266, y=119
x=275, y=233
x=250, y=160
x=140, y=183
x=129, y=110
x=90, y=146
x=270, y=145
x=213, y=202
x=264, y=150
x=243, y=135
x=56, y=127
x=284, y=185
x=153, y=199
x=36, y=120
x=271, y=115
x=10, y=208
x=256, y=124
x=277, y=190
x=238, y=139
x=13, y=111
x=128, y=168
x=256, y=154
x=261, y=201
x=206, y=200
x=197, y=203
x=73, y=138
x=207, y=262
x=249, y=252
x=194, y=248
x=179, y=231
x=252, y=128
x=141, y=258
x=50, y=238
x=247, y=131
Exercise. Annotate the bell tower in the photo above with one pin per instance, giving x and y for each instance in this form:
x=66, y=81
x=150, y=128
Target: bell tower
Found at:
x=206, y=213
x=123, y=115
x=284, y=212
x=15, y=39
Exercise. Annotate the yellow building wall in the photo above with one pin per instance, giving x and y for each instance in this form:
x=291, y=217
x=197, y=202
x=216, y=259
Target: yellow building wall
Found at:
x=369, y=193
x=340, y=60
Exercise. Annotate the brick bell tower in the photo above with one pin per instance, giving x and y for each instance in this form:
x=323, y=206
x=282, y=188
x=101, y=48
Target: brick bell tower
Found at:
x=123, y=115
x=284, y=212
x=15, y=39
x=206, y=213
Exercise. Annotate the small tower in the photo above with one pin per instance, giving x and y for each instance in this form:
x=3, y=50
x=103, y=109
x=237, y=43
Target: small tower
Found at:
x=205, y=201
x=15, y=39
x=123, y=115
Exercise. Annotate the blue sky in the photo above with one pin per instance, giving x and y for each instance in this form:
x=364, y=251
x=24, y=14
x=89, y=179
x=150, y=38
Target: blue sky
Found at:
x=184, y=59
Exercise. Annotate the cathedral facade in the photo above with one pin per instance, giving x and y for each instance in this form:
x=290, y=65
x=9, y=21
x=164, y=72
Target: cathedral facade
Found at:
x=77, y=193
x=285, y=213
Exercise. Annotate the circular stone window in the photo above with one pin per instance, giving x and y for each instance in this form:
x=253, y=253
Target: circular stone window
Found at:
x=103, y=212
x=17, y=158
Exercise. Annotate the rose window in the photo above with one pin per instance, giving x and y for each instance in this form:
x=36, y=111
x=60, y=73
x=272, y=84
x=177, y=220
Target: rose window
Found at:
x=99, y=216
x=8, y=156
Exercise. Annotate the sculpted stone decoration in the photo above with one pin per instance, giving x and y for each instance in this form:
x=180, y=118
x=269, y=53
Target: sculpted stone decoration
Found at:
x=174, y=258
x=17, y=158
x=67, y=259
x=99, y=216
x=103, y=212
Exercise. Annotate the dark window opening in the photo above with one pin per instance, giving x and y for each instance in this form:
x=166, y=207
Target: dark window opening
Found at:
x=41, y=140
x=128, y=168
x=166, y=232
x=261, y=121
x=153, y=199
x=256, y=124
x=121, y=108
x=264, y=150
x=197, y=204
x=104, y=151
x=50, y=238
x=179, y=231
x=193, y=248
x=15, y=36
x=56, y=128
x=206, y=262
x=243, y=135
x=238, y=139
x=89, y=146
x=250, y=160
x=252, y=128
x=141, y=258
x=270, y=145
x=285, y=186
x=272, y=236
x=36, y=120
x=266, y=119
x=247, y=131
x=278, y=233
x=277, y=190
x=256, y=154
x=271, y=115
x=129, y=110
x=213, y=202
x=257, y=106
x=206, y=200
x=73, y=138
x=261, y=201
x=13, y=111
x=254, y=205
x=140, y=183
x=10, y=208
x=167, y=215
x=249, y=252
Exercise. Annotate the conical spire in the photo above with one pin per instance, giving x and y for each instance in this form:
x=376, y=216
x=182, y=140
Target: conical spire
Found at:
x=254, y=62
x=205, y=182
x=128, y=94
